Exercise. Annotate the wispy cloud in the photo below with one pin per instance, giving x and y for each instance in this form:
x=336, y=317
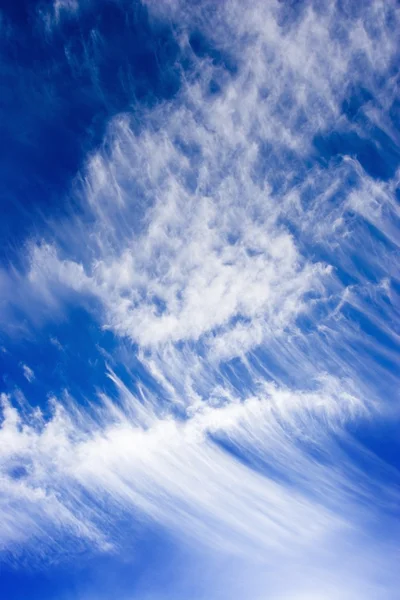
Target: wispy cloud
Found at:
x=243, y=240
x=28, y=373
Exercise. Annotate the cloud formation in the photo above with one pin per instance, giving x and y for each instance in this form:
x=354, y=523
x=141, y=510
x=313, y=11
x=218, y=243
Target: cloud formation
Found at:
x=241, y=239
x=28, y=373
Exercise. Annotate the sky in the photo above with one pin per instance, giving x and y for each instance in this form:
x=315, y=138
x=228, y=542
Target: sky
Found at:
x=199, y=300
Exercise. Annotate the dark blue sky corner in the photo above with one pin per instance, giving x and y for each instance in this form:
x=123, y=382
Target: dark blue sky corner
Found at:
x=60, y=93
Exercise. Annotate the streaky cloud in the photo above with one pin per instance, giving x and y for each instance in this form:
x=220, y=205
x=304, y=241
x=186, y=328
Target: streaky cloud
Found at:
x=239, y=239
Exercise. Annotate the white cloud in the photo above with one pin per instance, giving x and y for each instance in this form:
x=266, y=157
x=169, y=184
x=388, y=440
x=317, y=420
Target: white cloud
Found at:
x=76, y=476
x=209, y=255
x=28, y=373
x=197, y=247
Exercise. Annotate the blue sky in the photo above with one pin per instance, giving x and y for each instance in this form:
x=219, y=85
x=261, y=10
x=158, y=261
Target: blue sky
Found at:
x=200, y=294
